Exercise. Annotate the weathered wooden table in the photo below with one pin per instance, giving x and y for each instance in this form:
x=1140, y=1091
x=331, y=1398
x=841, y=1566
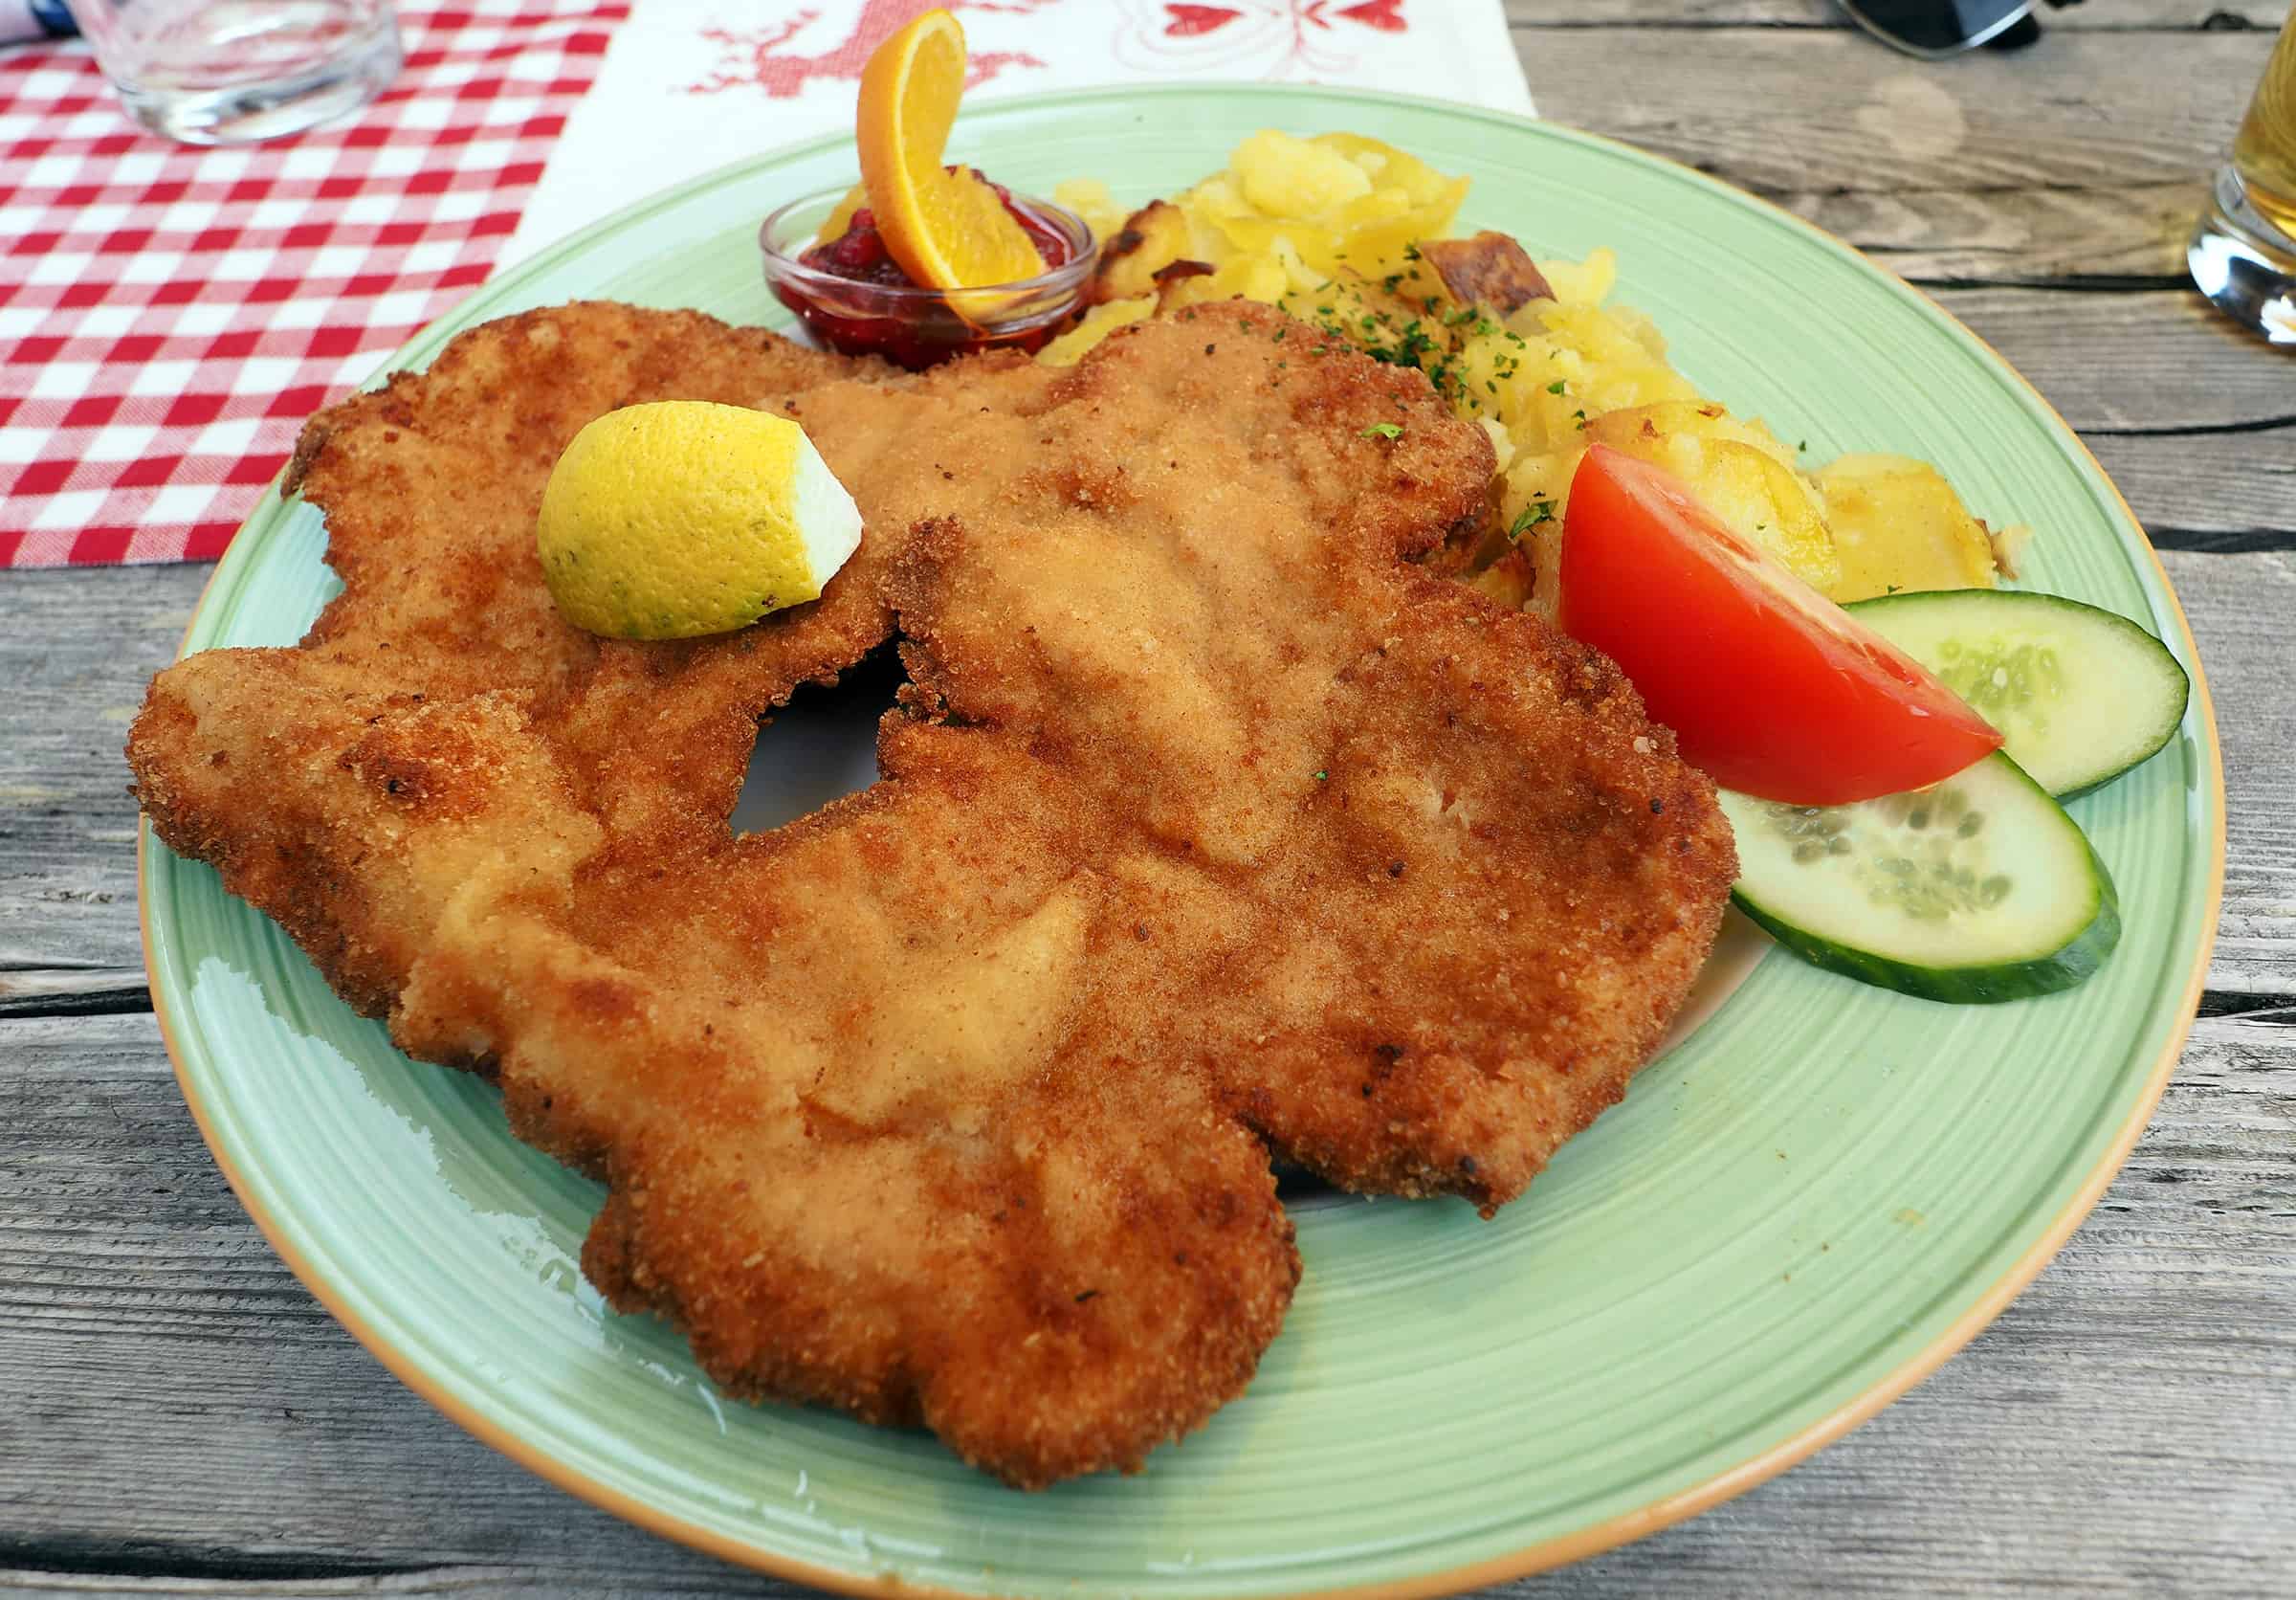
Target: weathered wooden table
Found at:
x=178, y=1415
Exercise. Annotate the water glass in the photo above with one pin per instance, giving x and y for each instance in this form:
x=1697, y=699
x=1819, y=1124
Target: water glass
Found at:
x=2243, y=252
x=221, y=72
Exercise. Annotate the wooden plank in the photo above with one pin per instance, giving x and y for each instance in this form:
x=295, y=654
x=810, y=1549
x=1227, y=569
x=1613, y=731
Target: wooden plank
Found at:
x=2195, y=420
x=2248, y=601
x=1839, y=114
x=2155, y=361
x=1995, y=168
x=78, y=647
x=2122, y=16
x=1940, y=235
x=2230, y=491
x=180, y=1410
x=68, y=935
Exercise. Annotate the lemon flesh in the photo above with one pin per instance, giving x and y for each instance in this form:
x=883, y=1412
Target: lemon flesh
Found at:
x=683, y=518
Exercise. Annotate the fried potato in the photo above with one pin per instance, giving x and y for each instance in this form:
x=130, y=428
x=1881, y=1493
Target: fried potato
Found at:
x=1899, y=526
x=1283, y=176
x=1150, y=239
x=1346, y=235
x=1738, y=470
x=1098, y=323
x=1286, y=215
x=1279, y=186
x=1089, y=199
x=1489, y=271
x=1251, y=278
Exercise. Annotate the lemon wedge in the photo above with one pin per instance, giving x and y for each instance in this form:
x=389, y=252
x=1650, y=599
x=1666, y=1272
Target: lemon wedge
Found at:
x=683, y=518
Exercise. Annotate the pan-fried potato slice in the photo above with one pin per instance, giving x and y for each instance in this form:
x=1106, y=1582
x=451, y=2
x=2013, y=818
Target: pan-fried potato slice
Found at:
x=1339, y=201
x=1346, y=233
x=1098, y=323
x=1285, y=176
x=1741, y=472
x=1258, y=278
x=1584, y=283
x=1287, y=216
x=1772, y=505
x=1899, y=526
x=1089, y=199
x=1508, y=580
x=1392, y=168
x=1150, y=239
x=1489, y=271
x=1366, y=313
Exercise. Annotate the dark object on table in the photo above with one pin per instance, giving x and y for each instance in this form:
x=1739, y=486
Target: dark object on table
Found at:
x=1936, y=30
x=32, y=21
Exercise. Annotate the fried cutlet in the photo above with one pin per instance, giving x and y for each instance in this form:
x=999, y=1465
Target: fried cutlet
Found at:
x=1209, y=826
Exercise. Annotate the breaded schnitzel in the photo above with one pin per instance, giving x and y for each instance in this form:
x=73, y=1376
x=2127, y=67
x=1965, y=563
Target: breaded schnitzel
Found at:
x=1208, y=825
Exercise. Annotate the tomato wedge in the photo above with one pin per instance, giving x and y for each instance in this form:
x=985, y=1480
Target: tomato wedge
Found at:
x=1769, y=686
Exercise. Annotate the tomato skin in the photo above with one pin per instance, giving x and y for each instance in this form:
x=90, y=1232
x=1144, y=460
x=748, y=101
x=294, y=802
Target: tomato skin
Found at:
x=1770, y=687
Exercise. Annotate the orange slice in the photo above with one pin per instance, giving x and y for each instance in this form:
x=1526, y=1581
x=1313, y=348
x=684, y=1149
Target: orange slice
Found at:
x=947, y=230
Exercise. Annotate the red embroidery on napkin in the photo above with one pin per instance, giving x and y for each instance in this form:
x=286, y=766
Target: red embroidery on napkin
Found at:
x=1189, y=21
x=1277, y=38
x=754, y=59
x=1386, y=15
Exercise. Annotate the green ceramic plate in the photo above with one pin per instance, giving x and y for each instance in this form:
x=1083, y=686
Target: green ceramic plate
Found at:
x=1794, y=1217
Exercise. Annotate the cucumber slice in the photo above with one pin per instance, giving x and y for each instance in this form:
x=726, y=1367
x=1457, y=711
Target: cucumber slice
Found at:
x=2080, y=694
x=1979, y=888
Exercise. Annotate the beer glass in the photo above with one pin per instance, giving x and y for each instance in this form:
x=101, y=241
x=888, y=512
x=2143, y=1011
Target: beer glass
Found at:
x=2244, y=252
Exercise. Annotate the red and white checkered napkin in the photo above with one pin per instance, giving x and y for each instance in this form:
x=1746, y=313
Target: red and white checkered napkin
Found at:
x=168, y=316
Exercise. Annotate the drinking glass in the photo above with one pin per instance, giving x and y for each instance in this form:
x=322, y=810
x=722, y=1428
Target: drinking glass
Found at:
x=223, y=72
x=2244, y=252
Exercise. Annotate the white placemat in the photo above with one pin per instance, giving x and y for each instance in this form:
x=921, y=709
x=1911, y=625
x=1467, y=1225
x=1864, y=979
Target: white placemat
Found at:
x=688, y=85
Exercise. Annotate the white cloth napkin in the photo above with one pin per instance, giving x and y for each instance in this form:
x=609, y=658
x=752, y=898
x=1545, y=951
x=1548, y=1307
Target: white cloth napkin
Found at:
x=688, y=85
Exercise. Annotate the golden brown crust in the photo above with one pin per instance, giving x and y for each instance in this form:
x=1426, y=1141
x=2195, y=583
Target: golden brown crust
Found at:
x=1209, y=824
x=1489, y=270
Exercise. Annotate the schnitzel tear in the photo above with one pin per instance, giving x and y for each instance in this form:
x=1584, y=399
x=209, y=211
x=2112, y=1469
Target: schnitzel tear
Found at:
x=1210, y=825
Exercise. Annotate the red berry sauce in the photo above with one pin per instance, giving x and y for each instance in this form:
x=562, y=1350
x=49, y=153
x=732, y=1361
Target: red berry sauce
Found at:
x=924, y=330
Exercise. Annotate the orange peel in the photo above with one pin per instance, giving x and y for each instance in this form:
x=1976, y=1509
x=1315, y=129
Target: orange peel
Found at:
x=947, y=229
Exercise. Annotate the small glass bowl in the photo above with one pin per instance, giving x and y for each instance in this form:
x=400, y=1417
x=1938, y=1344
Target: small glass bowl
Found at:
x=917, y=327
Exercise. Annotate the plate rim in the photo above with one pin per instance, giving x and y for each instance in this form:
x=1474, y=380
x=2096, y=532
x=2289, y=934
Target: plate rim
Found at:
x=1559, y=1550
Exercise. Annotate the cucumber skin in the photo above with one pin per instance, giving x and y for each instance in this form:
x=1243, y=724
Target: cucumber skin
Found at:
x=1883, y=602
x=2063, y=968
x=1977, y=986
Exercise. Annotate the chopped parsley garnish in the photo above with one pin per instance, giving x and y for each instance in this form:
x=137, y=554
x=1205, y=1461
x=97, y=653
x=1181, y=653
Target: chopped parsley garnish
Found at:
x=1556, y=388
x=1529, y=517
x=1383, y=430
